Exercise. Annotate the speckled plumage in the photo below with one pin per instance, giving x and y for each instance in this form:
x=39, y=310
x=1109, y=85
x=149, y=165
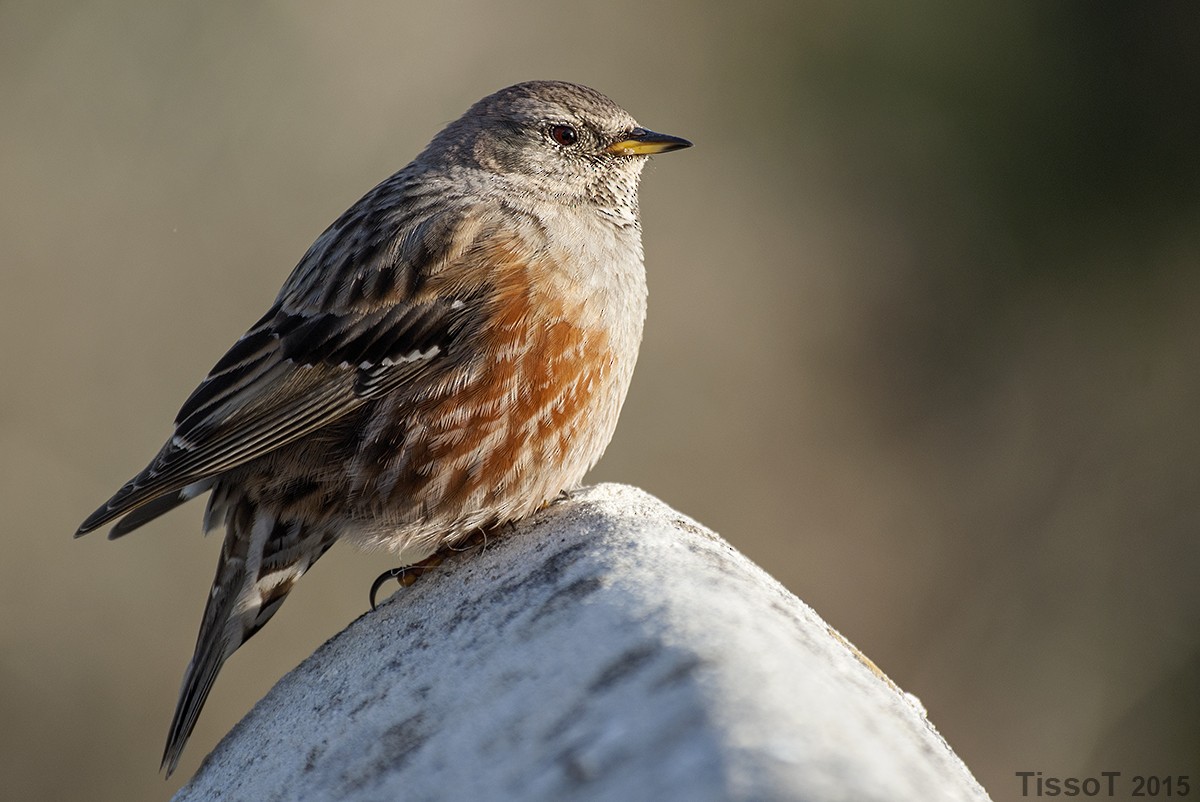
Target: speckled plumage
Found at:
x=451, y=354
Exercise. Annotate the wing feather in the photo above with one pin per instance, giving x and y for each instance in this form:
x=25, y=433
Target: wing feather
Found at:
x=308, y=363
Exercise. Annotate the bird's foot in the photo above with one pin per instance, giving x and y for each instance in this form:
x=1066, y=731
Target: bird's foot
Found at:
x=405, y=575
x=564, y=495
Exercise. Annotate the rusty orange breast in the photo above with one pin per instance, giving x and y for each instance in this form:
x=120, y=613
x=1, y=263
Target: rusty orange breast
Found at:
x=521, y=419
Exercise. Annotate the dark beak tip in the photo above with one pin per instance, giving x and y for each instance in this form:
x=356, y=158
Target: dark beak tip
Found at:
x=646, y=135
x=676, y=142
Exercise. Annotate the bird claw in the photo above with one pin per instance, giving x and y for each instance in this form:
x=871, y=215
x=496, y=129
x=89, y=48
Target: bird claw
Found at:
x=405, y=575
x=391, y=573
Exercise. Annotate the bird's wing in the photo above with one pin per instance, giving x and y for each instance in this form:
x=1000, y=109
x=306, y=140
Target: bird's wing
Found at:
x=335, y=339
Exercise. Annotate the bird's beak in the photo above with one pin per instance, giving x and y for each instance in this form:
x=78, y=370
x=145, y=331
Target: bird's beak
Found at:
x=641, y=142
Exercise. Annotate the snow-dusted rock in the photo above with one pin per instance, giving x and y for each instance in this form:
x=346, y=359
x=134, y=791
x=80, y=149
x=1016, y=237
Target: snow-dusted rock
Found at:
x=609, y=648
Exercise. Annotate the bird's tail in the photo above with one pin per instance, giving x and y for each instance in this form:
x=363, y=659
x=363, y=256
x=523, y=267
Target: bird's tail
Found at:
x=262, y=557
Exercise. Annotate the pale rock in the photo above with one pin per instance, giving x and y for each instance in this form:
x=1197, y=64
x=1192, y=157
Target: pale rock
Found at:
x=609, y=648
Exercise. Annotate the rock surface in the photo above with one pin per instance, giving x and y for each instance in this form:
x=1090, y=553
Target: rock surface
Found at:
x=608, y=649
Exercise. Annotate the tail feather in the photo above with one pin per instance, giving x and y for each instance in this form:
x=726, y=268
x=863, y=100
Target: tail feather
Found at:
x=259, y=565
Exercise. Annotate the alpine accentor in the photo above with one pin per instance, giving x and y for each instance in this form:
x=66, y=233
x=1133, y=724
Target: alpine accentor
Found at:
x=450, y=355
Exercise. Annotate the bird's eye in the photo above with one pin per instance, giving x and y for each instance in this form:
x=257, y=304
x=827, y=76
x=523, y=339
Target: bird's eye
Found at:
x=564, y=135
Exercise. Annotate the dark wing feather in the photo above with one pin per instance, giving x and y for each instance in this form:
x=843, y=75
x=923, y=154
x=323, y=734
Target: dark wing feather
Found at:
x=303, y=375
x=159, y=506
x=315, y=357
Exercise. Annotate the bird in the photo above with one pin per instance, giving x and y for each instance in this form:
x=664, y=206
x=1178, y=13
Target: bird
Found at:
x=448, y=357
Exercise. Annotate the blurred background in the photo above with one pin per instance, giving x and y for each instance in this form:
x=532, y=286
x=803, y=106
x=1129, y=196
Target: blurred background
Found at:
x=923, y=337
